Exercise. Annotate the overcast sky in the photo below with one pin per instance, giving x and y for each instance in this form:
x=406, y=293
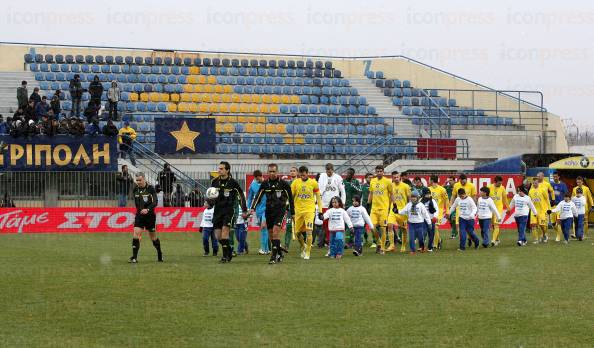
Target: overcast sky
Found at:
x=528, y=45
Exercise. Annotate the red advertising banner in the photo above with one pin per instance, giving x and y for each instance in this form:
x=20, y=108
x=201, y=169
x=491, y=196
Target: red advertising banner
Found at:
x=93, y=220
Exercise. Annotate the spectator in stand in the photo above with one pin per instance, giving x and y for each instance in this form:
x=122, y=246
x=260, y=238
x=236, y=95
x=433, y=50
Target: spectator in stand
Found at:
x=29, y=128
x=93, y=128
x=92, y=112
x=195, y=197
x=126, y=137
x=29, y=111
x=3, y=126
x=113, y=97
x=110, y=129
x=159, y=196
x=45, y=126
x=63, y=127
x=76, y=127
x=76, y=92
x=166, y=180
x=35, y=96
x=95, y=90
x=41, y=108
x=124, y=180
x=55, y=104
x=178, y=198
x=23, y=95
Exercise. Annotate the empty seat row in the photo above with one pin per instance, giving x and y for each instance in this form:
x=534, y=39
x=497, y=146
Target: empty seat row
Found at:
x=427, y=102
x=311, y=149
x=178, y=61
x=184, y=70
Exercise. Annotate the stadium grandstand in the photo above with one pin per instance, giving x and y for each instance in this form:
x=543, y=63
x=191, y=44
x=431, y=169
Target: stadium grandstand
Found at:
x=355, y=111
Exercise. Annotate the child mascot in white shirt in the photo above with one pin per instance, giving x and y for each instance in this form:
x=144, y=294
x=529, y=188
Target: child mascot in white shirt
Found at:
x=566, y=211
x=486, y=211
x=359, y=218
x=418, y=220
x=337, y=218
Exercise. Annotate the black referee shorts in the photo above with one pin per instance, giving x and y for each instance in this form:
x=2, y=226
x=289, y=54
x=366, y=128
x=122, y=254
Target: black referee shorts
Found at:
x=223, y=217
x=146, y=222
x=275, y=217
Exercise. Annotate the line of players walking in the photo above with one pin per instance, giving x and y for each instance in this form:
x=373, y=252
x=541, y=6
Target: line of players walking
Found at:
x=336, y=211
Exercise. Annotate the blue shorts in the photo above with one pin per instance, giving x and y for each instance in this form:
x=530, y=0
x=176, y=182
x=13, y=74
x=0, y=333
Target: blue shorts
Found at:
x=261, y=216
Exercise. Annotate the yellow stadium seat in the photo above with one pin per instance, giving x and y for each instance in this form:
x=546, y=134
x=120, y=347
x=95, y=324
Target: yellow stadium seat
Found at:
x=218, y=127
x=244, y=108
x=206, y=98
x=242, y=119
x=216, y=98
x=194, y=70
x=196, y=97
x=281, y=128
x=211, y=80
x=208, y=89
x=288, y=139
x=276, y=99
x=193, y=107
x=270, y=128
x=256, y=98
x=234, y=108
x=172, y=107
x=295, y=99
x=188, y=88
x=218, y=89
x=226, y=98
x=246, y=98
x=186, y=97
x=201, y=79
x=228, y=89
x=182, y=107
x=174, y=97
x=254, y=108
x=299, y=139
x=285, y=99
x=228, y=128
x=164, y=97
x=224, y=108
x=274, y=109
x=203, y=108
x=133, y=97
x=192, y=79
x=260, y=128
x=198, y=89
x=261, y=119
x=251, y=119
x=266, y=99
x=144, y=97
x=265, y=109
x=250, y=128
x=214, y=108
x=236, y=98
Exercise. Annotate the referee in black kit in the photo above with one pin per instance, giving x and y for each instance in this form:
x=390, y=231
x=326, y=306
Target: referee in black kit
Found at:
x=145, y=200
x=278, y=194
x=225, y=207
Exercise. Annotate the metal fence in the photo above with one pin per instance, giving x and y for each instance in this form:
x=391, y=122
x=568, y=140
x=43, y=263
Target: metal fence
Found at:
x=70, y=189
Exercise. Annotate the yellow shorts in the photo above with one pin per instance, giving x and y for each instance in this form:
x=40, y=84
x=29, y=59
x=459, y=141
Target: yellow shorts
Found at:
x=304, y=221
x=540, y=220
x=397, y=219
x=379, y=217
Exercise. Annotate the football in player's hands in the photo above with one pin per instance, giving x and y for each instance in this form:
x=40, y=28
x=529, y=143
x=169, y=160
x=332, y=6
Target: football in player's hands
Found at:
x=549, y=212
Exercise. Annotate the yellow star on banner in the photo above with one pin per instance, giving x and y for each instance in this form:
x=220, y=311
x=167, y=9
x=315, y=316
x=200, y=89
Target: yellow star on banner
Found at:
x=185, y=137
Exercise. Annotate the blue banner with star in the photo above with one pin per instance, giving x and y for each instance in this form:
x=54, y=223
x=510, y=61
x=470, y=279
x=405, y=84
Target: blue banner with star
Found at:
x=185, y=135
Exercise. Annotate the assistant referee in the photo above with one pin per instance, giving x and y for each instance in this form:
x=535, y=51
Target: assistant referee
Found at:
x=145, y=199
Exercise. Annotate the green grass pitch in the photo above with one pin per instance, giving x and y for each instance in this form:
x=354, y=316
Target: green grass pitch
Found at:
x=79, y=291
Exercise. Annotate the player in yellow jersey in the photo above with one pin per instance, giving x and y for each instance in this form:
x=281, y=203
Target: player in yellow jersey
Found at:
x=440, y=195
x=498, y=194
x=380, y=198
x=401, y=193
x=589, y=201
x=540, y=199
x=306, y=193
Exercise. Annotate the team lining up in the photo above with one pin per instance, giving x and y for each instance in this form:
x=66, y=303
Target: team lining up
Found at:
x=390, y=204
